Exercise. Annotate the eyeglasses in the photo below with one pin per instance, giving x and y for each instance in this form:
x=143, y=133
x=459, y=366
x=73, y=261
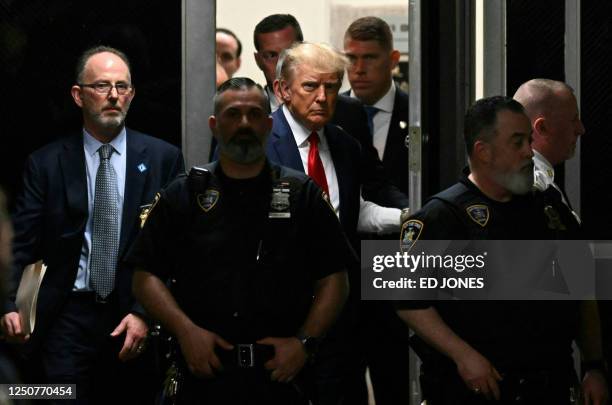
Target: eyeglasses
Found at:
x=105, y=87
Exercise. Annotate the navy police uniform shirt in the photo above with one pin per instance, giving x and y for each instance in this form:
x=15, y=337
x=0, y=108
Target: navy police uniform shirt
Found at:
x=243, y=256
x=511, y=334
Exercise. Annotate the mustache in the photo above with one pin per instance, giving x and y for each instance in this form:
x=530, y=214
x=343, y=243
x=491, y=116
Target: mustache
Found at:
x=245, y=131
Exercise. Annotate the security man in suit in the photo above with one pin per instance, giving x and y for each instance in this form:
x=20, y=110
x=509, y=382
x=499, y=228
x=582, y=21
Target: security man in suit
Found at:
x=245, y=304
x=78, y=213
x=368, y=44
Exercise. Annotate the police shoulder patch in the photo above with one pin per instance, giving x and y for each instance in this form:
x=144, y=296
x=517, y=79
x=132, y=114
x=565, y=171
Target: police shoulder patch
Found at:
x=410, y=233
x=479, y=213
x=208, y=199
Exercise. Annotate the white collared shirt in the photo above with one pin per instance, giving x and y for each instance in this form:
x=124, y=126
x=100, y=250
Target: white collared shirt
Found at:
x=544, y=177
x=274, y=103
x=92, y=161
x=372, y=217
x=301, y=134
x=382, y=119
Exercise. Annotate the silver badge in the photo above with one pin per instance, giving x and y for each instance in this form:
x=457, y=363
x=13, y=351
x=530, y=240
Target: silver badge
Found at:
x=279, y=204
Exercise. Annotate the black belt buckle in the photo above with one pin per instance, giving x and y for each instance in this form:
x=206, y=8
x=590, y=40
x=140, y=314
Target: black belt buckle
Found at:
x=246, y=355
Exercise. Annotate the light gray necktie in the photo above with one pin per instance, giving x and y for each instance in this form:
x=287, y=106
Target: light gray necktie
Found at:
x=105, y=235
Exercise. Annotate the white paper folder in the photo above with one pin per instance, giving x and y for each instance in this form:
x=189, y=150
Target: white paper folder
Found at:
x=27, y=294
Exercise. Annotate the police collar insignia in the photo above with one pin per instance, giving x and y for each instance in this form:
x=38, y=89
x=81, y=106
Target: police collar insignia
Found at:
x=146, y=210
x=208, y=200
x=553, y=219
x=279, y=203
x=478, y=213
x=410, y=233
x=327, y=200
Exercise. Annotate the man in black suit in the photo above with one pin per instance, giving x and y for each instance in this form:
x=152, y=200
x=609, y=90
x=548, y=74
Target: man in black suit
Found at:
x=78, y=213
x=368, y=45
x=272, y=36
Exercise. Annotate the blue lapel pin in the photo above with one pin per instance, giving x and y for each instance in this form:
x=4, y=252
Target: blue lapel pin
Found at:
x=142, y=167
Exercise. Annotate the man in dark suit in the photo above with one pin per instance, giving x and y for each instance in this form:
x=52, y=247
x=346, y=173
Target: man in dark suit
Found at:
x=304, y=139
x=368, y=44
x=78, y=213
x=272, y=36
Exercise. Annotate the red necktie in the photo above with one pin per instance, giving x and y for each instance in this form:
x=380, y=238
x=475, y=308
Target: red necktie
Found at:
x=315, y=166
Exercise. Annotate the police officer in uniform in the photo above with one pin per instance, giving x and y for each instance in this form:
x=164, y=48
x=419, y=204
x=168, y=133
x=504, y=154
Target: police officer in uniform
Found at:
x=553, y=110
x=512, y=351
x=256, y=261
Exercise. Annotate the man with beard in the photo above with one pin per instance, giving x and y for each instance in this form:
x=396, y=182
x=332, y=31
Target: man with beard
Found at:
x=247, y=307
x=78, y=213
x=508, y=351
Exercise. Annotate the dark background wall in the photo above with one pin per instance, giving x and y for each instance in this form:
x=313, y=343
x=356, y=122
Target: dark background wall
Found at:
x=536, y=49
x=445, y=78
x=535, y=41
x=535, y=46
x=596, y=111
x=40, y=41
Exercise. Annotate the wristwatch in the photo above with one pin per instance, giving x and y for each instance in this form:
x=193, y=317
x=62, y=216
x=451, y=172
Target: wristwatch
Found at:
x=310, y=343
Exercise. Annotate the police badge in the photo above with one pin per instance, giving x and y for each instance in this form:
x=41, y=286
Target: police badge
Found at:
x=410, y=233
x=478, y=213
x=208, y=200
x=279, y=204
x=146, y=209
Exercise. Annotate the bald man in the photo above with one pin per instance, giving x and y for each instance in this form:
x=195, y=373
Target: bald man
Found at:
x=553, y=111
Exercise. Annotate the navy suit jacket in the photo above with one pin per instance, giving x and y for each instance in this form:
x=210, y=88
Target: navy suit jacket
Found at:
x=346, y=155
x=395, y=158
x=52, y=213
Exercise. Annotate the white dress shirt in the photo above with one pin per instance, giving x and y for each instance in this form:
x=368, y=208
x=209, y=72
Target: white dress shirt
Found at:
x=372, y=217
x=274, y=103
x=382, y=119
x=544, y=177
